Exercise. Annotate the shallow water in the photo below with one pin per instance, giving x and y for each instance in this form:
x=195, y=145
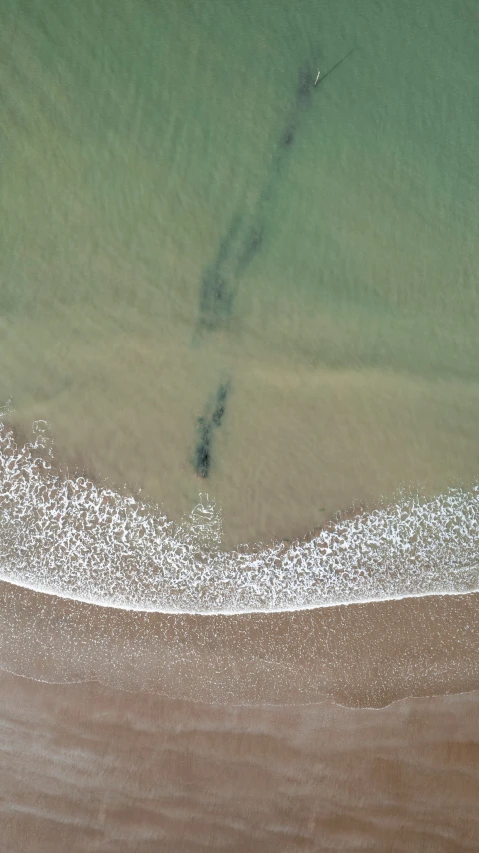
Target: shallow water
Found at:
x=232, y=305
x=70, y=537
x=182, y=211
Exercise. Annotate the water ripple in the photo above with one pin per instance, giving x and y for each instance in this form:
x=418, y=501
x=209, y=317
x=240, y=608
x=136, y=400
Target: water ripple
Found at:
x=71, y=537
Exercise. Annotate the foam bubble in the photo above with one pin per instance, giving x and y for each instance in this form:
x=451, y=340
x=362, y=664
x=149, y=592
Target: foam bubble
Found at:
x=68, y=536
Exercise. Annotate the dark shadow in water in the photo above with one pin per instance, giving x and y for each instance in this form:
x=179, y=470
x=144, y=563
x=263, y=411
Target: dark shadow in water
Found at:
x=250, y=248
x=304, y=89
x=216, y=296
x=206, y=424
x=219, y=409
x=301, y=102
x=244, y=237
x=238, y=248
x=287, y=138
x=202, y=458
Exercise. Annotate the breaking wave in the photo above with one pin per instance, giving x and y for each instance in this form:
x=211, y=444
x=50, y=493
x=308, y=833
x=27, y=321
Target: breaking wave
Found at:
x=70, y=537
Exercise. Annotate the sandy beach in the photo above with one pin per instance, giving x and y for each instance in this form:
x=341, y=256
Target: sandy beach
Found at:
x=90, y=769
x=365, y=655
x=238, y=313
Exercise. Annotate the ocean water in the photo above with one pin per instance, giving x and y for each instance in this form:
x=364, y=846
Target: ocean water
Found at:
x=234, y=303
x=68, y=537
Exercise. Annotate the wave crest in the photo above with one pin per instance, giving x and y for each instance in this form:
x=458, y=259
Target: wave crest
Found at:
x=68, y=536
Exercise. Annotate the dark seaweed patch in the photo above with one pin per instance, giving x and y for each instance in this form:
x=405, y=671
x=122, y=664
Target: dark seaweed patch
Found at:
x=219, y=409
x=217, y=291
x=240, y=245
x=305, y=86
x=202, y=460
x=202, y=456
x=227, y=241
x=287, y=137
x=244, y=236
x=251, y=246
x=216, y=299
x=237, y=249
x=302, y=100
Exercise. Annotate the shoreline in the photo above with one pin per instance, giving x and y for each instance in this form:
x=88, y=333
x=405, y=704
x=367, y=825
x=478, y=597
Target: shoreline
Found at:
x=110, y=605
x=68, y=536
x=364, y=655
x=359, y=654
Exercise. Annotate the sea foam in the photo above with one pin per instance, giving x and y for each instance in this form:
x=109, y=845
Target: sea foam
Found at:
x=68, y=536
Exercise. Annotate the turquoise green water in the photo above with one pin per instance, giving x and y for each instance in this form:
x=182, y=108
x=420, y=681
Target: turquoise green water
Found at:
x=132, y=136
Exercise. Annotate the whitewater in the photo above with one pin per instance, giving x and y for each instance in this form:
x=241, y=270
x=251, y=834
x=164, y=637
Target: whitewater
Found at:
x=65, y=535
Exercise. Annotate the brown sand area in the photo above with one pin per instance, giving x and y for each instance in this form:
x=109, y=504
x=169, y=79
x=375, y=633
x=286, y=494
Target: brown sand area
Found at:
x=90, y=769
x=363, y=655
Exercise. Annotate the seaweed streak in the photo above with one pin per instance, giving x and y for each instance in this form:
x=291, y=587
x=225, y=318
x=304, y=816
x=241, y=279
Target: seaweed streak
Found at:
x=243, y=239
x=206, y=423
x=219, y=409
x=202, y=460
x=216, y=296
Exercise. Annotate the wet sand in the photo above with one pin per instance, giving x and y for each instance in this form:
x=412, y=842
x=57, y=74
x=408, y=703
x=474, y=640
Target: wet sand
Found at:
x=363, y=655
x=90, y=768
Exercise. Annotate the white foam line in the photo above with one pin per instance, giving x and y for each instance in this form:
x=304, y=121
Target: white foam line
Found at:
x=111, y=605
x=70, y=538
